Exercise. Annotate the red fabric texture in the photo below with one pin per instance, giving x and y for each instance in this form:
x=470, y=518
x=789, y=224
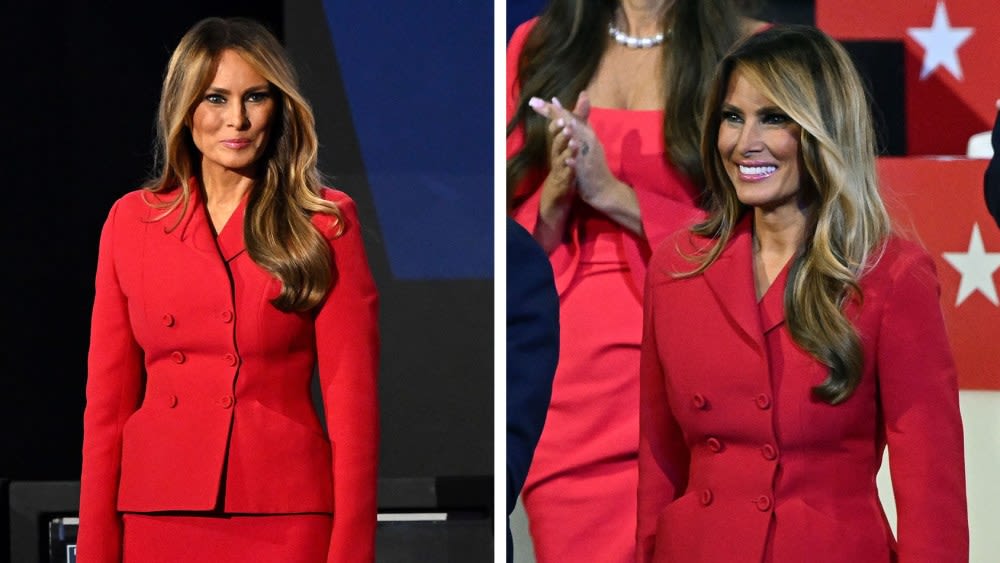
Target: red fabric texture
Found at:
x=195, y=380
x=738, y=462
x=291, y=538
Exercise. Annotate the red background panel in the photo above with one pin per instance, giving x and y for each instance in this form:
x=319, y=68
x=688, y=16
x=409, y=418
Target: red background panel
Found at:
x=939, y=201
x=942, y=111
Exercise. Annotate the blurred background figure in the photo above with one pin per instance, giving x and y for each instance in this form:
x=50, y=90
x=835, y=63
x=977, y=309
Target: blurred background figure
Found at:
x=991, y=179
x=532, y=354
x=603, y=103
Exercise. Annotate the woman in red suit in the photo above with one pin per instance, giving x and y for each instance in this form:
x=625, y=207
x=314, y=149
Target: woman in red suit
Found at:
x=790, y=337
x=598, y=188
x=221, y=286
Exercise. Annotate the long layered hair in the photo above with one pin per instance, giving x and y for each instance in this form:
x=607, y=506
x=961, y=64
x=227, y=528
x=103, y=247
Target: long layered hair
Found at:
x=278, y=230
x=562, y=53
x=810, y=76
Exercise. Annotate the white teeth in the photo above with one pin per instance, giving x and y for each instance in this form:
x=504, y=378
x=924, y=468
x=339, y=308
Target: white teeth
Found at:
x=757, y=170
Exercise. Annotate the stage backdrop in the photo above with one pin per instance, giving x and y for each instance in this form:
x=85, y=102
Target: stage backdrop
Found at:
x=401, y=92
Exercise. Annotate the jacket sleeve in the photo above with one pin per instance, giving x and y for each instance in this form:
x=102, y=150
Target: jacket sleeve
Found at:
x=919, y=398
x=114, y=388
x=347, y=344
x=663, y=454
x=991, y=179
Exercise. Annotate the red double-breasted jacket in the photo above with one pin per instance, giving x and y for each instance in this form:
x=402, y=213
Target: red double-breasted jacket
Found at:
x=198, y=388
x=738, y=462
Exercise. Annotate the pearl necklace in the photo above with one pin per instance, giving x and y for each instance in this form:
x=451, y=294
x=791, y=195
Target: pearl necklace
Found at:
x=633, y=42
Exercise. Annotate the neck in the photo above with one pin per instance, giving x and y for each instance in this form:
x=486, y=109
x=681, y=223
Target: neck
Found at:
x=225, y=187
x=642, y=17
x=779, y=234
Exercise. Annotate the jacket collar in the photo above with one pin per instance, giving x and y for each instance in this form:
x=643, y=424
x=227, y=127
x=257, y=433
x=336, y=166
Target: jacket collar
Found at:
x=730, y=279
x=195, y=227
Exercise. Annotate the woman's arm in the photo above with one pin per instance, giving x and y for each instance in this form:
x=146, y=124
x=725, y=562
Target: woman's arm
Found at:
x=918, y=389
x=347, y=345
x=545, y=214
x=585, y=157
x=663, y=455
x=114, y=389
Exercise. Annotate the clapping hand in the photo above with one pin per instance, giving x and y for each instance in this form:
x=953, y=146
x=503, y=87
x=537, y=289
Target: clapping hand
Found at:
x=579, y=148
x=577, y=154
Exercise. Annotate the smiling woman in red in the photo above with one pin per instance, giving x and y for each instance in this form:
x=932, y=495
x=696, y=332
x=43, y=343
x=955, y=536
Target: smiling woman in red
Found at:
x=791, y=337
x=221, y=287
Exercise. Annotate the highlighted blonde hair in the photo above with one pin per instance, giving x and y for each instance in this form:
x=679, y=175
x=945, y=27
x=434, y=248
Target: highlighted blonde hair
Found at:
x=278, y=229
x=810, y=76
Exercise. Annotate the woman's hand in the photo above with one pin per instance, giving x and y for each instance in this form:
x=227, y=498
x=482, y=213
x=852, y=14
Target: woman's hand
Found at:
x=559, y=188
x=597, y=185
x=584, y=156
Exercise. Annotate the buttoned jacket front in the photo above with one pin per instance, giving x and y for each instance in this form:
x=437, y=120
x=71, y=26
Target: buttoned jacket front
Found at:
x=739, y=462
x=199, y=388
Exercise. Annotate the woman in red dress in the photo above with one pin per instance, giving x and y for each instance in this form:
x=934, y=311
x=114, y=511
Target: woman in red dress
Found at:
x=599, y=187
x=221, y=286
x=791, y=337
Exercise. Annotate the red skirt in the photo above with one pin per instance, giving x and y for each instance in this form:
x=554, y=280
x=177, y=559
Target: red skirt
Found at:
x=289, y=538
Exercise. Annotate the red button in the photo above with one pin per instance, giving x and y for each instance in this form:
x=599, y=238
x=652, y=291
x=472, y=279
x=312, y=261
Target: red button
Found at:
x=714, y=445
x=699, y=401
x=230, y=359
x=763, y=503
x=178, y=357
x=171, y=401
x=226, y=401
x=763, y=401
x=227, y=316
x=706, y=497
x=768, y=451
x=167, y=320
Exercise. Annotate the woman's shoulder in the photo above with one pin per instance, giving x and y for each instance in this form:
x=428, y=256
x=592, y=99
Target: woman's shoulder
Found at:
x=335, y=196
x=332, y=226
x=521, y=33
x=678, y=252
x=140, y=201
x=900, y=256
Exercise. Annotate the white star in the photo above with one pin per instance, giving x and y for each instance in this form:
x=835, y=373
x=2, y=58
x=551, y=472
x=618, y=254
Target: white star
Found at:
x=976, y=267
x=940, y=42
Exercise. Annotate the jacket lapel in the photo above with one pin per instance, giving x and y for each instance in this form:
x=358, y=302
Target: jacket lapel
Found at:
x=230, y=240
x=194, y=229
x=730, y=279
x=772, y=306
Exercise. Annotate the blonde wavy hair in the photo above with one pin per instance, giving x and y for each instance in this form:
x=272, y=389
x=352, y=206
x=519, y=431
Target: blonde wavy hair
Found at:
x=809, y=76
x=279, y=233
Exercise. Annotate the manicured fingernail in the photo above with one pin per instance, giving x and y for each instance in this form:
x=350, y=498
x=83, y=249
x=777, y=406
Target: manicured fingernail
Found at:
x=560, y=122
x=536, y=103
x=555, y=101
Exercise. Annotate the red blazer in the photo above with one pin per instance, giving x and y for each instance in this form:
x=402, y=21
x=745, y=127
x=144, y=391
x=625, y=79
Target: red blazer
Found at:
x=193, y=373
x=738, y=462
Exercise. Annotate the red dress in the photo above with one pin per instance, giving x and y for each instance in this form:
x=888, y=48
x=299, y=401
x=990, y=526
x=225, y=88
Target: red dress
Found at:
x=580, y=494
